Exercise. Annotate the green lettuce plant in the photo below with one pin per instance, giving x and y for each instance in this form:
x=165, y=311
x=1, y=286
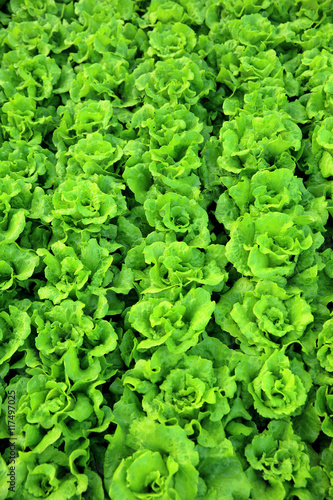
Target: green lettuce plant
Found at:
x=272, y=246
x=175, y=40
x=251, y=143
x=180, y=265
x=184, y=217
x=279, y=386
x=191, y=80
x=279, y=460
x=154, y=460
x=264, y=315
x=33, y=164
x=177, y=324
x=187, y=390
x=271, y=191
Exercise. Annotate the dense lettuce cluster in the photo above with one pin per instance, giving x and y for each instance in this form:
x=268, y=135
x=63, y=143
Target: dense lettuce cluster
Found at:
x=166, y=261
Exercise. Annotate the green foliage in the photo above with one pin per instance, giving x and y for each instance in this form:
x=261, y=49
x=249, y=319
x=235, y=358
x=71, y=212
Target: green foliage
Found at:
x=166, y=262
